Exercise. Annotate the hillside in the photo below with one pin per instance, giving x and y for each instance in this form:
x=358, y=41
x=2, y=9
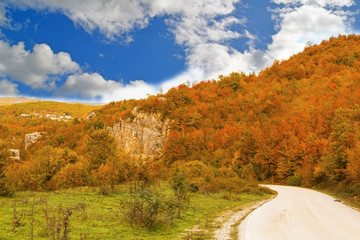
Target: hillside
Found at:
x=296, y=122
x=19, y=119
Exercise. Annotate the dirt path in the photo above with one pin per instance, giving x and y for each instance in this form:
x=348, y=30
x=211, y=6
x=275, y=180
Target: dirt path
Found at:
x=298, y=213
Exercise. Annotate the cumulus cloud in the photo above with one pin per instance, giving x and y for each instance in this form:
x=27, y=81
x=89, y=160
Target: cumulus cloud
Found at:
x=136, y=89
x=305, y=23
x=88, y=85
x=193, y=74
x=8, y=89
x=34, y=68
x=112, y=17
x=190, y=20
x=322, y=3
x=94, y=86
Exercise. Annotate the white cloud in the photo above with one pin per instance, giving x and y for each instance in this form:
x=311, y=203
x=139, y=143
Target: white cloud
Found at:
x=116, y=18
x=191, y=75
x=322, y=3
x=88, y=85
x=8, y=89
x=134, y=90
x=190, y=20
x=112, y=17
x=34, y=68
x=94, y=86
x=303, y=24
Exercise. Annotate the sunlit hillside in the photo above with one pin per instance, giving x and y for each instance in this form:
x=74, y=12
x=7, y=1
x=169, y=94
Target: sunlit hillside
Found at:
x=19, y=119
x=12, y=100
x=297, y=122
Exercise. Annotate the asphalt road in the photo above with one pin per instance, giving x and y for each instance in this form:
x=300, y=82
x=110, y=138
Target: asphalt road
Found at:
x=304, y=214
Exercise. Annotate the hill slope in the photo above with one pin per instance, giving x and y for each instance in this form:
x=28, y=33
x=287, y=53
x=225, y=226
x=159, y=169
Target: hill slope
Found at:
x=296, y=122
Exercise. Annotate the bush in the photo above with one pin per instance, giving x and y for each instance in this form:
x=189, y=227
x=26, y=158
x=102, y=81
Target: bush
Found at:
x=72, y=175
x=229, y=196
x=5, y=189
x=199, y=176
x=266, y=190
x=355, y=189
x=294, y=181
x=48, y=169
x=148, y=209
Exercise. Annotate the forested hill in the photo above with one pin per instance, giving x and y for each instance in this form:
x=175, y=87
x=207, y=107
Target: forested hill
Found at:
x=297, y=122
x=299, y=117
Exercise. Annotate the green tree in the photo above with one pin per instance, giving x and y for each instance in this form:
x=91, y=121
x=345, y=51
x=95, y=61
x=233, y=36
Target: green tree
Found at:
x=336, y=158
x=180, y=185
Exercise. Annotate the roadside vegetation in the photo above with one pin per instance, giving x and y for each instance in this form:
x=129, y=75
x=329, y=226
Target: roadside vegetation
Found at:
x=344, y=194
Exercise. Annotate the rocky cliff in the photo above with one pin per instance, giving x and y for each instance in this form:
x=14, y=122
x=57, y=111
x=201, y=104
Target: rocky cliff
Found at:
x=142, y=134
x=32, y=138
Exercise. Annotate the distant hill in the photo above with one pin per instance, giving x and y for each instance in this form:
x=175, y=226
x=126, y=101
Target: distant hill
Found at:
x=12, y=100
x=21, y=116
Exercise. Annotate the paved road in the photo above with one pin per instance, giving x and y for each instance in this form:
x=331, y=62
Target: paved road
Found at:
x=298, y=213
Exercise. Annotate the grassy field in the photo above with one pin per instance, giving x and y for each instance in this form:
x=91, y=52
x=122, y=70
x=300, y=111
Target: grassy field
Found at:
x=90, y=215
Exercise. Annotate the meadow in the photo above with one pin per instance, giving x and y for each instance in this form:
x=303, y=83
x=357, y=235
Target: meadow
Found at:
x=84, y=213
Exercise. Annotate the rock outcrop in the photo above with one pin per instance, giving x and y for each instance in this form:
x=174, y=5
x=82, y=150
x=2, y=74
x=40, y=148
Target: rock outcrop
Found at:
x=90, y=116
x=15, y=154
x=141, y=135
x=32, y=138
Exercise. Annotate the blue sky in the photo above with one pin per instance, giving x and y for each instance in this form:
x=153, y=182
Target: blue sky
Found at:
x=109, y=50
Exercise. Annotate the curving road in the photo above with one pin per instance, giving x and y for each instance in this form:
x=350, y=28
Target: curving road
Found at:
x=304, y=214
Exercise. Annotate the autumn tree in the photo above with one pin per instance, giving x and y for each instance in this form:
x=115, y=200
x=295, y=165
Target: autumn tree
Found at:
x=336, y=158
x=180, y=185
x=353, y=166
x=100, y=148
x=5, y=189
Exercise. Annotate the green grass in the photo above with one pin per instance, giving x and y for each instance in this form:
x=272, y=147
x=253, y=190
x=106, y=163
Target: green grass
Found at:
x=97, y=216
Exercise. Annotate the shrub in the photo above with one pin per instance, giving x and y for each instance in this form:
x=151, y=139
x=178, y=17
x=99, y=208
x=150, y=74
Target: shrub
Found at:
x=355, y=189
x=72, y=175
x=199, y=175
x=229, y=196
x=148, y=209
x=294, y=181
x=266, y=190
x=44, y=170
